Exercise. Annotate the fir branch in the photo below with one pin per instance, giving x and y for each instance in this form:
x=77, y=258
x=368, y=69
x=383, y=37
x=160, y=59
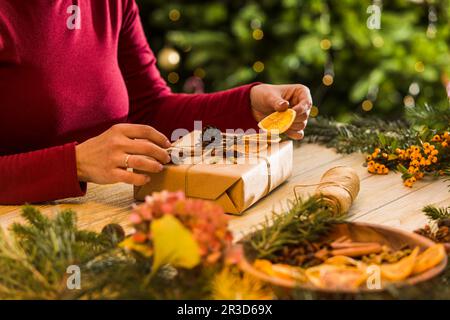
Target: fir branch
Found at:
x=360, y=134
x=34, y=256
x=435, y=214
x=305, y=221
x=432, y=117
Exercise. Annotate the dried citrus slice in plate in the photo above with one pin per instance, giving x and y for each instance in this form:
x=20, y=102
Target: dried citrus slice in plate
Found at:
x=282, y=271
x=400, y=270
x=429, y=258
x=278, y=122
x=336, y=277
x=345, y=261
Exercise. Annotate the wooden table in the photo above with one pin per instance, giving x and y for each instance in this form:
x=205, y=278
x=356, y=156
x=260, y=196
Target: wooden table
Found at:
x=382, y=199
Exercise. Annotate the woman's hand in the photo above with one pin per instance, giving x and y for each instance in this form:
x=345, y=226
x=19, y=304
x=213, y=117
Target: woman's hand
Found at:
x=266, y=99
x=104, y=159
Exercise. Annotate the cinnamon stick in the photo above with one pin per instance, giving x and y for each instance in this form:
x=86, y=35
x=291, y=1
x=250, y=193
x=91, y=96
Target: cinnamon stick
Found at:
x=342, y=245
x=357, y=251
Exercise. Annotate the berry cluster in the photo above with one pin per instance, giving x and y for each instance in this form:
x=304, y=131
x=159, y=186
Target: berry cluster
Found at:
x=413, y=161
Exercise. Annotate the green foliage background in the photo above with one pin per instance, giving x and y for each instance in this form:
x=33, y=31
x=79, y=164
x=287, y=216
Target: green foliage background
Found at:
x=379, y=65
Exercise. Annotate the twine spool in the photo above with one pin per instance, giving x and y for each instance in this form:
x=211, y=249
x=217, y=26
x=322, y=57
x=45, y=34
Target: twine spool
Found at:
x=338, y=188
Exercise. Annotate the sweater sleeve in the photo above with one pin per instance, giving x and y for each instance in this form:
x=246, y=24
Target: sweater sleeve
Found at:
x=38, y=176
x=152, y=102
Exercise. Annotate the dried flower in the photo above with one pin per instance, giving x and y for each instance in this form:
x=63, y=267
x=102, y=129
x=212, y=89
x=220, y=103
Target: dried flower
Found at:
x=204, y=219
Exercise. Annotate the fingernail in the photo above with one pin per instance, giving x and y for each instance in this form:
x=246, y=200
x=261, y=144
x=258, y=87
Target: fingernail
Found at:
x=283, y=102
x=167, y=144
x=147, y=179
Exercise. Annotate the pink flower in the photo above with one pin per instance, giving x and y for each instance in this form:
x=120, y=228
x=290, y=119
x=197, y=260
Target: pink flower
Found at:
x=205, y=219
x=135, y=218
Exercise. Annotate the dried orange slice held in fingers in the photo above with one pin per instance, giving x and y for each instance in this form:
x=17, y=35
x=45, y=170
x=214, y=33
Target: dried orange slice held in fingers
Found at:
x=429, y=258
x=278, y=122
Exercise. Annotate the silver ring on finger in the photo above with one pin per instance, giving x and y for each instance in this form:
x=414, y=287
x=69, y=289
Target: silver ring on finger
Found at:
x=126, y=160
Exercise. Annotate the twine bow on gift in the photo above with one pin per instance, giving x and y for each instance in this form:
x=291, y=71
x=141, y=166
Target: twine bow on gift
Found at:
x=228, y=149
x=231, y=146
x=338, y=188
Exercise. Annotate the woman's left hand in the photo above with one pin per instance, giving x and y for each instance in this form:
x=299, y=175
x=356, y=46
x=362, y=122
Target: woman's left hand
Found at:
x=266, y=99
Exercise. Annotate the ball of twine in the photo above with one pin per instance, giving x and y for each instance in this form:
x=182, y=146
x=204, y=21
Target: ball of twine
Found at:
x=338, y=188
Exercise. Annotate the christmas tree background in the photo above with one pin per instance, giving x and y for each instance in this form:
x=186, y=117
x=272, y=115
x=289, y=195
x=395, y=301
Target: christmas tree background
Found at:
x=334, y=47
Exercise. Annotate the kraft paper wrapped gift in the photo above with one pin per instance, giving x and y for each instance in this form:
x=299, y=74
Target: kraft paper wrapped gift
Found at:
x=233, y=186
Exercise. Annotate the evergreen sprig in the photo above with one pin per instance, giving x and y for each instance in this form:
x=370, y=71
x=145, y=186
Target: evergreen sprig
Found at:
x=435, y=214
x=360, y=134
x=363, y=134
x=432, y=117
x=34, y=256
x=305, y=221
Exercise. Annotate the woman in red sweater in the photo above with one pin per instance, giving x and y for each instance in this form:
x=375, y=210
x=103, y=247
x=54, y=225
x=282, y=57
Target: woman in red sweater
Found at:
x=81, y=100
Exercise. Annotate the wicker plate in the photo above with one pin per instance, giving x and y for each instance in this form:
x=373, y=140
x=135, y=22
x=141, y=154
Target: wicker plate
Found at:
x=360, y=232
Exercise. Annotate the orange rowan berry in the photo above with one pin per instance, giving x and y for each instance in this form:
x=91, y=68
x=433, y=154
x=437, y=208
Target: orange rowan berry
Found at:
x=436, y=138
x=408, y=183
x=444, y=144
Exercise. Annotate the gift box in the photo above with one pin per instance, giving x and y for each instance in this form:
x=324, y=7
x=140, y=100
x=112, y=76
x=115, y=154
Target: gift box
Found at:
x=234, y=184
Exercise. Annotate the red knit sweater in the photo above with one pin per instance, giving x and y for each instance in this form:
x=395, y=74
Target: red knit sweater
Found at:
x=67, y=73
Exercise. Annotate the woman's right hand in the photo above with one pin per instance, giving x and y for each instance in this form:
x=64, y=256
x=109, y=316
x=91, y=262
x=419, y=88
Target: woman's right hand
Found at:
x=104, y=159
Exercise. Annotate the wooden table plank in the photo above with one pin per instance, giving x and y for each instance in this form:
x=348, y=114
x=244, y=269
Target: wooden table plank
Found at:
x=100, y=206
x=406, y=211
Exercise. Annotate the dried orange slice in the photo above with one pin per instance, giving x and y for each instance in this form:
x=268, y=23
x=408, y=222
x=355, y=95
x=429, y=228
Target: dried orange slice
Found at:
x=400, y=270
x=282, y=271
x=336, y=276
x=429, y=258
x=278, y=122
x=345, y=261
x=264, y=266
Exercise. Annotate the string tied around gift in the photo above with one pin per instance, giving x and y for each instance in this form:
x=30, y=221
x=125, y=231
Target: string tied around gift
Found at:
x=337, y=189
x=248, y=146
